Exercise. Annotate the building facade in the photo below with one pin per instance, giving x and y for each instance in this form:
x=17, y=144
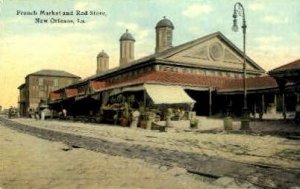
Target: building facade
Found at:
x=39, y=84
x=206, y=74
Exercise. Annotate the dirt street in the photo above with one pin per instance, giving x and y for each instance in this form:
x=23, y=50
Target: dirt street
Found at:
x=30, y=162
x=264, y=150
x=247, y=157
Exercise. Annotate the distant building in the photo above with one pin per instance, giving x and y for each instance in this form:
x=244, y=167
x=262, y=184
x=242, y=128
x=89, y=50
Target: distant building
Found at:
x=39, y=84
x=288, y=79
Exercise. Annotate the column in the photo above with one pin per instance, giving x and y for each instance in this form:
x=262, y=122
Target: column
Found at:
x=254, y=110
x=209, y=102
x=144, y=98
x=283, y=106
x=262, y=111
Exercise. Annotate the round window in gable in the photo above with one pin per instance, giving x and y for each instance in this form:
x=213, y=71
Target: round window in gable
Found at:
x=216, y=51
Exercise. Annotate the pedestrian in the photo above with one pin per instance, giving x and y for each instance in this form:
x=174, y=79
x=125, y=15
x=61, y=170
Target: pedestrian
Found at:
x=36, y=115
x=10, y=112
x=64, y=111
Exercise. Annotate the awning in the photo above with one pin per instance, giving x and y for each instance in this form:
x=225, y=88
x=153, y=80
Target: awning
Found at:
x=115, y=92
x=196, y=88
x=54, y=101
x=96, y=96
x=133, y=88
x=126, y=89
x=80, y=97
x=167, y=94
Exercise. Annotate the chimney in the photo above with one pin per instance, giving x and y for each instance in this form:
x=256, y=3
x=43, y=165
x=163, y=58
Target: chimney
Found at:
x=102, y=62
x=164, y=34
x=126, y=48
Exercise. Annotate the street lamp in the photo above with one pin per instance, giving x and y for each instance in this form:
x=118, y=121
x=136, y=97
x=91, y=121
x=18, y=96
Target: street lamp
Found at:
x=239, y=11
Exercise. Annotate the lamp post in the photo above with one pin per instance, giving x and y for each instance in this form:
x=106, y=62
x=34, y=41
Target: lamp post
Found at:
x=239, y=11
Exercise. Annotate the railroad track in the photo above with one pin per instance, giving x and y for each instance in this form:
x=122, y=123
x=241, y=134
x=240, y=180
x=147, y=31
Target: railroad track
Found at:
x=258, y=175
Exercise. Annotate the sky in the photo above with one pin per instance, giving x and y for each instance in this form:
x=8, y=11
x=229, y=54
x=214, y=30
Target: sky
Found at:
x=273, y=33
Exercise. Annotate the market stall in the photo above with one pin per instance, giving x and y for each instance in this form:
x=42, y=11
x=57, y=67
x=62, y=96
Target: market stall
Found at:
x=154, y=102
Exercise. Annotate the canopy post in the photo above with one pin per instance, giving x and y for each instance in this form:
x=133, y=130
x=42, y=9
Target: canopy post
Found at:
x=209, y=102
x=283, y=106
x=262, y=104
x=144, y=97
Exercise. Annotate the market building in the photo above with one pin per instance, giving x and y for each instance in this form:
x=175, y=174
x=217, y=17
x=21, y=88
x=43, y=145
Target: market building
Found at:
x=38, y=85
x=288, y=79
x=203, y=75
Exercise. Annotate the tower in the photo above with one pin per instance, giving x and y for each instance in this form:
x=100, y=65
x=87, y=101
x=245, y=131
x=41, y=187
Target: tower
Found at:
x=126, y=48
x=102, y=62
x=164, y=34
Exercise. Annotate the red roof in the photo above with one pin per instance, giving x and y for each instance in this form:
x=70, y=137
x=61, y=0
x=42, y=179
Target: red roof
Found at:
x=71, y=92
x=55, y=96
x=293, y=65
x=98, y=85
x=172, y=78
x=218, y=82
x=251, y=83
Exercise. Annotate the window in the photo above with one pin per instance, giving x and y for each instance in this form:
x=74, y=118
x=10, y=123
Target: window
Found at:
x=166, y=68
x=211, y=73
x=49, y=88
x=200, y=72
x=55, y=82
x=161, y=68
x=131, y=51
x=41, y=81
x=70, y=82
x=41, y=94
x=169, y=37
x=236, y=75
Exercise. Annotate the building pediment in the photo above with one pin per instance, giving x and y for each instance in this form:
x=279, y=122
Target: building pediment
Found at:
x=212, y=51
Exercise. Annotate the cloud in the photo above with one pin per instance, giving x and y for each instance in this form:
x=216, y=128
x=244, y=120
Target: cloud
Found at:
x=81, y=6
x=23, y=54
x=268, y=39
x=270, y=56
x=256, y=6
x=56, y=44
x=275, y=20
x=197, y=10
x=1, y=2
x=271, y=51
x=88, y=25
x=144, y=43
x=135, y=30
x=195, y=30
x=129, y=26
x=16, y=20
